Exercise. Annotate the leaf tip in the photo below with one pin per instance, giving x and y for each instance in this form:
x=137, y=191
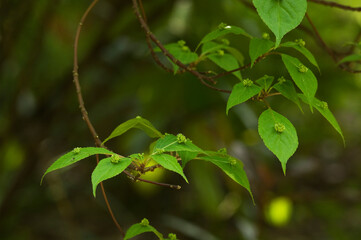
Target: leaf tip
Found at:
x=42, y=178
x=284, y=169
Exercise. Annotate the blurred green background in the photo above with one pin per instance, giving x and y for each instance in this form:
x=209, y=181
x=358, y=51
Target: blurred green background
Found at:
x=320, y=198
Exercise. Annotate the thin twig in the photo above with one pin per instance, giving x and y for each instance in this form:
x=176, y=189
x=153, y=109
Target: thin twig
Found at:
x=336, y=5
x=82, y=105
x=320, y=39
x=152, y=182
x=329, y=50
x=149, y=43
x=148, y=33
x=76, y=77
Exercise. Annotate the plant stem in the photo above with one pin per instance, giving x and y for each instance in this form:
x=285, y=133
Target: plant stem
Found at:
x=82, y=105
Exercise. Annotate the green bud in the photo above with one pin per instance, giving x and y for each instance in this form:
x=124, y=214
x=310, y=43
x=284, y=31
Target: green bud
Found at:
x=279, y=127
x=300, y=42
x=181, y=43
x=138, y=117
x=172, y=236
x=233, y=161
x=281, y=80
x=185, y=49
x=302, y=68
x=266, y=36
x=225, y=41
x=115, y=159
x=76, y=150
x=220, y=52
x=181, y=138
x=222, y=26
x=324, y=105
x=144, y=222
x=247, y=82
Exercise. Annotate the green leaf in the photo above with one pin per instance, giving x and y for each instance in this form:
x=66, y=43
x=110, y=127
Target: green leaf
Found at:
x=241, y=93
x=265, y=82
x=170, y=143
x=106, y=169
x=169, y=162
x=322, y=107
x=231, y=166
x=258, y=47
x=209, y=47
x=351, y=58
x=186, y=157
x=279, y=135
x=181, y=52
x=288, y=90
x=281, y=16
x=74, y=156
x=301, y=75
x=303, y=51
x=236, y=54
x=227, y=62
x=222, y=31
x=138, y=122
x=139, y=228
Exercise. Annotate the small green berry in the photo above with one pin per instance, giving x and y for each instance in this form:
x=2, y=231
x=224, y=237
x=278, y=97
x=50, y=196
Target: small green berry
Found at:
x=172, y=236
x=220, y=52
x=222, y=26
x=144, y=222
x=185, y=49
x=141, y=156
x=281, y=80
x=247, y=82
x=279, y=127
x=115, y=159
x=302, y=68
x=266, y=36
x=225, y=41
x=181, y=138
x=233, y=161
x=300, y=42
x=324, y=105
x=181, y=43
x=76, y=150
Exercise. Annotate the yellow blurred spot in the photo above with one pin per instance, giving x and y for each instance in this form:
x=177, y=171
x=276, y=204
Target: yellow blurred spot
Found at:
x=279, y=211
x=149, y=189
x=13, y=155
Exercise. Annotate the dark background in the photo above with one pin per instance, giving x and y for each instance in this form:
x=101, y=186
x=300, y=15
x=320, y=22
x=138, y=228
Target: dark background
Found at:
x=40, y=120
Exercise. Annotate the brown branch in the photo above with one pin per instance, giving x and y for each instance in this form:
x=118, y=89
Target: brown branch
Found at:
x=149, y=43
x=320, y=39
x=82, y=105
x=336, y=5
x=329, y=50
x=133, y=178
x=76, y=77
x=153, y=38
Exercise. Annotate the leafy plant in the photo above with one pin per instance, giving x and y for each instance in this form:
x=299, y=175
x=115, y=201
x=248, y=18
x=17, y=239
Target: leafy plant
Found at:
x=173, y=152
